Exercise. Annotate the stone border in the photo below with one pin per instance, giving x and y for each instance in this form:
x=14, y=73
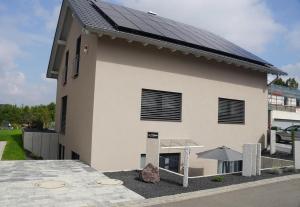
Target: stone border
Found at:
x=2, y=147
x=203, y=193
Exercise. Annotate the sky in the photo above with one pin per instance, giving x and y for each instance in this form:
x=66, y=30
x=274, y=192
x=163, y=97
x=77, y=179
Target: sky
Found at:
x=267, y=28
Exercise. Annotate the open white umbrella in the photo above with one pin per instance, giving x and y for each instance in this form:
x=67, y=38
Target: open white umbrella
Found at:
x=221, y=153
x=225, y=157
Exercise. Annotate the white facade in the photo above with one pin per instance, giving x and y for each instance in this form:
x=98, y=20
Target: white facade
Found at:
x=284, y=110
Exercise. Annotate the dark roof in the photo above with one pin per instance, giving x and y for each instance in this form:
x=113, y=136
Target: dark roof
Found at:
x=108, y=18
x=284, y=91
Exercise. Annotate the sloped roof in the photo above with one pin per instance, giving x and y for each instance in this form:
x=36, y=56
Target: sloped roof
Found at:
x=115, y=20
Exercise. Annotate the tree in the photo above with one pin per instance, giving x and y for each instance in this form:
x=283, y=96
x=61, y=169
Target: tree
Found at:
x=292, y=83
x=279, y=82
x=40, y=116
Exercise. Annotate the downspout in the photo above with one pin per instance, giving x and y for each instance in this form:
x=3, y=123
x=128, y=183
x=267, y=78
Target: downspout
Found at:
x=277, y=77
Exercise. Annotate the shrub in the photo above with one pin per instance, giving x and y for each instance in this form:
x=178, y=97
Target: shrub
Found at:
x=217, y=179
x=275, y=171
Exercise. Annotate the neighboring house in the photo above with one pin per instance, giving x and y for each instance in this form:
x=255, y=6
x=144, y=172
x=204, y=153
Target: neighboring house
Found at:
x=284, y=106
x=122, y=73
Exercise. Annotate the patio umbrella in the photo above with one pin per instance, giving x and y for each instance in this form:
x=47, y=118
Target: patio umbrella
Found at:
x=221, y=154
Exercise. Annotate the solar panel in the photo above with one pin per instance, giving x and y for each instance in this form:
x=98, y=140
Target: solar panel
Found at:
x=141, y=23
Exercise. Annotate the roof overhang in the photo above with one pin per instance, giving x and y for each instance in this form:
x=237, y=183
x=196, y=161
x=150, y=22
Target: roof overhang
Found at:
x=58, y=46
x=59, y=43
x=188, y=50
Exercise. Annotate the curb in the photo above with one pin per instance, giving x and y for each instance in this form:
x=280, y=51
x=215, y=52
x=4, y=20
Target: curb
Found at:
x=203, y=193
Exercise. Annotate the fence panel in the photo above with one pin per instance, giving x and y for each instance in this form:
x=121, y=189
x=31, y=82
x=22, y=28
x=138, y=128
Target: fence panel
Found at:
x=41, y=144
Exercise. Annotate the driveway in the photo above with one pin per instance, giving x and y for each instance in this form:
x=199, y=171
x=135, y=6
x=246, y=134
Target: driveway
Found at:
x=57, y=183
x=273, y=195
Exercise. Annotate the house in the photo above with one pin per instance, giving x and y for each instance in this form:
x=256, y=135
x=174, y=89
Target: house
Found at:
x=125, y=75
x=284, y=106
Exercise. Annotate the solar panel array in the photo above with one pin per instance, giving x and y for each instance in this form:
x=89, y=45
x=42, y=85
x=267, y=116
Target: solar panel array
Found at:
x=137, y=22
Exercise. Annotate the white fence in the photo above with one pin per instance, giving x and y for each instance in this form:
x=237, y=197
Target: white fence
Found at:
x=41, y=144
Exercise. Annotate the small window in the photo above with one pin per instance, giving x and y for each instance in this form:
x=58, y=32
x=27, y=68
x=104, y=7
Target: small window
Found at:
x=61, y=152
x=161, y=105
x=143, y=161
x=66, y=67
x=231, y=166
x=231, y=111
x=75, y=156
x=77, y=57
x=63, y=115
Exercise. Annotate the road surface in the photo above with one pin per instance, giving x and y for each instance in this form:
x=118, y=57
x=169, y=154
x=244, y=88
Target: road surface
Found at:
x=282, y=194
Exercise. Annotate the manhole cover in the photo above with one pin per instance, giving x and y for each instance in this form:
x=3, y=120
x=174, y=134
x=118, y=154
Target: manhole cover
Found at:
x=109, y=182
x=50, y=184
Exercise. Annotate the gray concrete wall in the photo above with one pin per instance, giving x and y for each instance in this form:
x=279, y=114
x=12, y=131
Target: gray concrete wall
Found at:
x=267, y=162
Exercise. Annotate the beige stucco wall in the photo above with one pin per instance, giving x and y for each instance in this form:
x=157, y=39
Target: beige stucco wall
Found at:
x=80, y=92
x=123, y=69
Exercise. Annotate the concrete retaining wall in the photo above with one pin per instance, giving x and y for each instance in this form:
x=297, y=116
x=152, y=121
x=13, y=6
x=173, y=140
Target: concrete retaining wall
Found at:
x=267, y=162
x=41, y=144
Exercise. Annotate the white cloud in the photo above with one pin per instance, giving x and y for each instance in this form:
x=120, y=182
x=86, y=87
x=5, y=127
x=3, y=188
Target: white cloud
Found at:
x=248, y=23
x=50, y=17
x=293, y=70
x=8, y=52
x=15, y=87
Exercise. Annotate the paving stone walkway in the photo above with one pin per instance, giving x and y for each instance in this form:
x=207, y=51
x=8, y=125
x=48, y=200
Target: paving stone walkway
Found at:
x=19, y=185
x=2, y=146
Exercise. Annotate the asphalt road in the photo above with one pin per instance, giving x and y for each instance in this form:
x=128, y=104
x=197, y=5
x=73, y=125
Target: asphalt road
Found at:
x=282, y=194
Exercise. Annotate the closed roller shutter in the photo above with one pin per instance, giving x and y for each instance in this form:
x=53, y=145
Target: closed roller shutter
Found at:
x=161, y=105
x=231, y=111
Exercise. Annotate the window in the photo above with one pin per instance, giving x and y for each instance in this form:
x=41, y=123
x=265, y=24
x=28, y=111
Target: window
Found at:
x=75, y=156
x=170, y=161
x=61, y=152
x=231, y=166
x=77, y=57
x=292, y=128
x=66, y=67
x=143, y=161
x=286, y=101
x=63, y=115
x=231, y=111
x=161, y=105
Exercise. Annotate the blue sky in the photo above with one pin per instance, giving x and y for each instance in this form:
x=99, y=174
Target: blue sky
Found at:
x=268, y=28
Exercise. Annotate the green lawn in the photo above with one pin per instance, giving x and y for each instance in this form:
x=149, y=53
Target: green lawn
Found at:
x=14, y=146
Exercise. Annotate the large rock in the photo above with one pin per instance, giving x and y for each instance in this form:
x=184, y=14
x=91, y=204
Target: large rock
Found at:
x=150, y=174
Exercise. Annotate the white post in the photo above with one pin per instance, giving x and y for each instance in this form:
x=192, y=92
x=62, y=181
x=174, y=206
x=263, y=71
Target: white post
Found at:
x=186, y=167
x=297, y=153
x=258, y=159
x=253, y=158
x=272, y=142
x=152, y=151
x=247, y=160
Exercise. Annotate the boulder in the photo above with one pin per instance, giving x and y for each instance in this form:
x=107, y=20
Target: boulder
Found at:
x=150, y=174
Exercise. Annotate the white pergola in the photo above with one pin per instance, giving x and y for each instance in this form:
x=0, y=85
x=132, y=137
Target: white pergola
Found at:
x=181, y=144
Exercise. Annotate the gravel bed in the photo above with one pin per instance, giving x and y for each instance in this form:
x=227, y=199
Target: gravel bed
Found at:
x=171, y=184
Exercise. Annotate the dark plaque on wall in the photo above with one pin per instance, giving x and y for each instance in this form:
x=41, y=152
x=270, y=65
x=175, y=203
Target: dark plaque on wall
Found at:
x=152, y=135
